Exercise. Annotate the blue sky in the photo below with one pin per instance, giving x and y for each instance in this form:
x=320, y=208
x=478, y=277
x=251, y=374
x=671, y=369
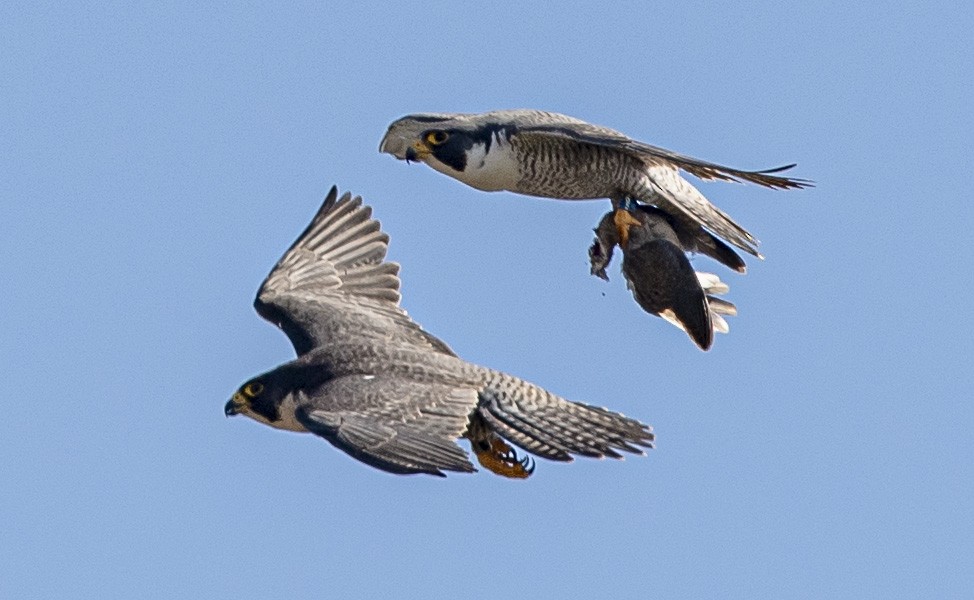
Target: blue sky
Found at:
x=157, y=161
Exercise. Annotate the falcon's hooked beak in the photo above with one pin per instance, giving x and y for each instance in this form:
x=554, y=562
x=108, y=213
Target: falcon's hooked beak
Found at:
x=235, y=405
x=417, y=151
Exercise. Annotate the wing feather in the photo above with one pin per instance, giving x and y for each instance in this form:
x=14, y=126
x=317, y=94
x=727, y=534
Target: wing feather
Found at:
x=563, y=127
x=333, y=281
x=394, y=424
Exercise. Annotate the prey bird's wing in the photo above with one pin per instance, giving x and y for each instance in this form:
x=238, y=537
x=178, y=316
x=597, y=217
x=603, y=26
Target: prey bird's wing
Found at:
x=394, y=424
x=560, y=126
x=659, y=274
x=334, y=283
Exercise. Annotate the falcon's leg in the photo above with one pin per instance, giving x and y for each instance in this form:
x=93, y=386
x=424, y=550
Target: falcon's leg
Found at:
x=624, y=219
x=497, y=456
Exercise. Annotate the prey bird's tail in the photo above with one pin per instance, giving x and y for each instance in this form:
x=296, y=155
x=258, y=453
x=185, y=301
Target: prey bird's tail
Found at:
x=718, y=307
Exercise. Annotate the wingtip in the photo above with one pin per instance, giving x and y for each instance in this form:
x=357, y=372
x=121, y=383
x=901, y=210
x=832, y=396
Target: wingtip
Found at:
x=769, y=178
x=777, y=169
x=705, y=344
x=331, y=199
x=799, y=183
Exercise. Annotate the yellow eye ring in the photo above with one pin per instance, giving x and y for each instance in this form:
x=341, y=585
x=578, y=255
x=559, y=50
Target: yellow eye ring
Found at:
x=435, y=138
x=253, y=388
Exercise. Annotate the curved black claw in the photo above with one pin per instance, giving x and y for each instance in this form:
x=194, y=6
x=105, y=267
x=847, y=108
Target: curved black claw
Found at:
x=503, y=460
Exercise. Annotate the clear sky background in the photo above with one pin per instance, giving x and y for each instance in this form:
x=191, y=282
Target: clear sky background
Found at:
x=156, y=162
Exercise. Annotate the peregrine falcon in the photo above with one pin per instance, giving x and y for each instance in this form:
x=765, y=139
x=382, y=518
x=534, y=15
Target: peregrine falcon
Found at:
x=556, y=156
x=375, y=384
x=659, y=274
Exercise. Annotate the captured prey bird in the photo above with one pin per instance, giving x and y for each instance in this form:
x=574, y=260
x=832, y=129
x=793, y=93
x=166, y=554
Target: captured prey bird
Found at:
x=556, y=156
x=660, y=275
x=375, y=384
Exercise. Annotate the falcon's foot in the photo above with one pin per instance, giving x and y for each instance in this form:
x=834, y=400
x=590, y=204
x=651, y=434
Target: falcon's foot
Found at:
x=501, y=458
x=623, y=220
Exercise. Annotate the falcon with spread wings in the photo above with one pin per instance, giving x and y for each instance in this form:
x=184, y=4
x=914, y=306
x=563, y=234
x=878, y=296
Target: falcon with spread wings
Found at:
x=376, y=385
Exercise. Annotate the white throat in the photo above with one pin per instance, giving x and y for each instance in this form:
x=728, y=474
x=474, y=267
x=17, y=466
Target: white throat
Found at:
x=489, y=171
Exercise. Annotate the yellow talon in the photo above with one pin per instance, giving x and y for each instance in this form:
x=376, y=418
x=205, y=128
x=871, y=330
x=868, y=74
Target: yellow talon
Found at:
x=623, y=220
x=503, y=460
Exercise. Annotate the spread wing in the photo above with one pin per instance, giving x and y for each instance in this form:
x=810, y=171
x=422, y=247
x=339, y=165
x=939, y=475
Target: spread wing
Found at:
x=333, y=283
x=536, y=123
x=394, y=424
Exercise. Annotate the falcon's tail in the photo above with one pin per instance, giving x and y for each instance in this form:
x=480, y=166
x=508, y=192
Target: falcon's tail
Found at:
x=551, y=427
x=664, y=187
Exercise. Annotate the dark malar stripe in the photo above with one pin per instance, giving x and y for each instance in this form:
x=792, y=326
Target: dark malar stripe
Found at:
x=485, y=134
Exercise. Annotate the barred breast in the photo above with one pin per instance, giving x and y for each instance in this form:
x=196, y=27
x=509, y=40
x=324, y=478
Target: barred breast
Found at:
x=565, y=169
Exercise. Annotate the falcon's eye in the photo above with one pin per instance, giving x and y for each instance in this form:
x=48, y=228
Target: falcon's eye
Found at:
x=435, y=138
x=254, y=388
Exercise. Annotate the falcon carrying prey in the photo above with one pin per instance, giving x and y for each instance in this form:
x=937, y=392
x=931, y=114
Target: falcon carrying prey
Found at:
x=555, y=156
x=376, y=385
